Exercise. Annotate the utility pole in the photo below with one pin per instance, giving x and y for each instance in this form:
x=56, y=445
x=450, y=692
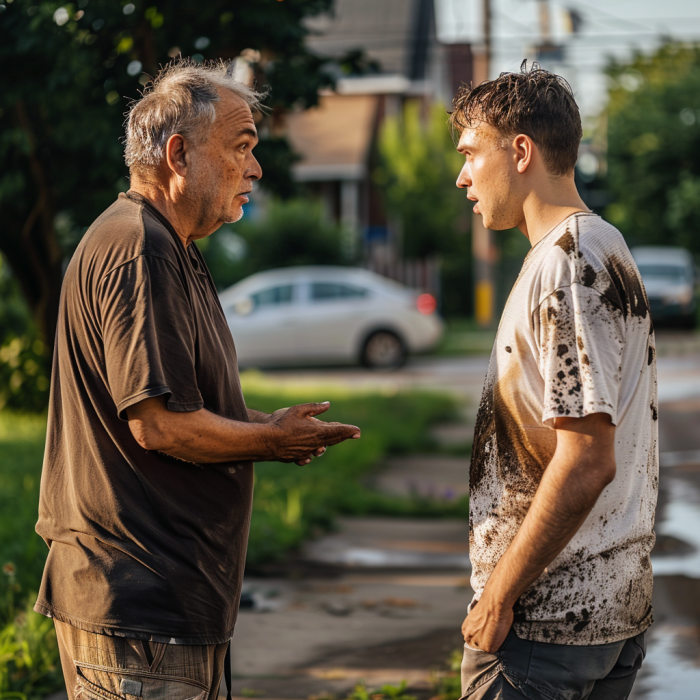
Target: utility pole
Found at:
x=483, y=243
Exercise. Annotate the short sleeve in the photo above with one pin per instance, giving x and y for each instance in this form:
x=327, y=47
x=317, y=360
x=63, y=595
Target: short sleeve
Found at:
x=149, y=335
x=581, y=339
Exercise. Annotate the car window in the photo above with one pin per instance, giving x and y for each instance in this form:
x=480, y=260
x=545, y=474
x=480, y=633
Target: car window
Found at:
x=326, y=291
x=674, y=274
x=273, y=296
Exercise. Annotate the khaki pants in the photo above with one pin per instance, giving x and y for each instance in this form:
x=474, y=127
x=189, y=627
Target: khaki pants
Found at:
x=100, y=667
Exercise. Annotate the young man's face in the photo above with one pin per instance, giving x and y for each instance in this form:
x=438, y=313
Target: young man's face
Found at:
x=490, y=176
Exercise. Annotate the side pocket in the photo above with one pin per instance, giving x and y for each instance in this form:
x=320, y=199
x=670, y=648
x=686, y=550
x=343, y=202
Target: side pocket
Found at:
x=86, y=689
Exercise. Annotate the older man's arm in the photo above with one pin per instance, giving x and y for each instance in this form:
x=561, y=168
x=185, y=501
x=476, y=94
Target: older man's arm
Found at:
x=582, y=466
x=291, y=435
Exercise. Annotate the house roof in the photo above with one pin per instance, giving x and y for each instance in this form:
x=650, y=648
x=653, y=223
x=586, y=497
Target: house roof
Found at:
x=389, y=31
x=334, y=138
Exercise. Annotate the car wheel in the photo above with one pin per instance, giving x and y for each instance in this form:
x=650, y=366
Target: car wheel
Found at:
x=384, y=350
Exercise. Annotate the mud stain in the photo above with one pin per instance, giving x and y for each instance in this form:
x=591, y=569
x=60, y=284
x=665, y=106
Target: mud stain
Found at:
x=567, y=243
x=625, y=288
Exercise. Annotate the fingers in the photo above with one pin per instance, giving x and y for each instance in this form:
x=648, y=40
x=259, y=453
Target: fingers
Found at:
x=312, y=409
x=333, y=434
x=319, y=451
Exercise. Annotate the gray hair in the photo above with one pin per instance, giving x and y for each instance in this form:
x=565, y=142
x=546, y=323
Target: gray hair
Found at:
x=180, y=100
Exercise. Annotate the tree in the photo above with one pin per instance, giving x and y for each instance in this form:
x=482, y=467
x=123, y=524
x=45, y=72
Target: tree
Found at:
x=653, y=118
x=418, y=171
x=70, y=70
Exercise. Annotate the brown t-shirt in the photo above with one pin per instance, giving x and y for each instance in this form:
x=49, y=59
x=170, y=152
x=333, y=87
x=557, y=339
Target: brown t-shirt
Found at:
x=141, y=544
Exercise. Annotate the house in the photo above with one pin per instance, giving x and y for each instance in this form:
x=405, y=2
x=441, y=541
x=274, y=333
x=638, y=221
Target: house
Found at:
x=336, y=140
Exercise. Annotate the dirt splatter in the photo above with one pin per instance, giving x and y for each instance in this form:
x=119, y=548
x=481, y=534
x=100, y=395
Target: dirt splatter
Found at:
x=654, y=411
x=567, y=243
x=508, y=348
x=562, y=349
x=625, y=288
x=588, y=276
x=652, y=354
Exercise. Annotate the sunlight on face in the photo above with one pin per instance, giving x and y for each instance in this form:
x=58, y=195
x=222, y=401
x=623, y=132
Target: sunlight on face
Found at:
x=490, y=176
x=224, y=167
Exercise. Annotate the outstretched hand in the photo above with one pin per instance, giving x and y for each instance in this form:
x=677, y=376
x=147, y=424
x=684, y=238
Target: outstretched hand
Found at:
x=299, y=435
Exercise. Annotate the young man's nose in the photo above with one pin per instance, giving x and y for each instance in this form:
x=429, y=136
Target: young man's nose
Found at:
x=464, y=180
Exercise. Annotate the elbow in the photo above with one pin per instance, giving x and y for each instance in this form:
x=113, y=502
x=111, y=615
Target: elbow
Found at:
x=150, y=436
x=603, y=473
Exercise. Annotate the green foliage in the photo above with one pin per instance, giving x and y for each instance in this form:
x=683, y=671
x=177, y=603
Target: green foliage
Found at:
x=654, y=147
x=30, y=667
x=448, y=686
x=293, y=232
x=24, y=383
x=385, y=692
x=74, y=68
x=29, y=664
x=22, y=552
x=418, y=171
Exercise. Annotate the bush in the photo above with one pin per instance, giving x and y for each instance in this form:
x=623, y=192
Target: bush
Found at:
x=294, y=232
x=24, y=365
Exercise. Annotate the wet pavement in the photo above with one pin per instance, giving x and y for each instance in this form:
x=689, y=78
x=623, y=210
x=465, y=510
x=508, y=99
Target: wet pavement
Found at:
x=672, y=666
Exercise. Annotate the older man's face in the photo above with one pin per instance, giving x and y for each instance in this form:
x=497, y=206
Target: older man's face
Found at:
x=224, y=167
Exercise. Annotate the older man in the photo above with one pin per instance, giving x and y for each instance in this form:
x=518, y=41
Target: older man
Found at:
x=148, y=478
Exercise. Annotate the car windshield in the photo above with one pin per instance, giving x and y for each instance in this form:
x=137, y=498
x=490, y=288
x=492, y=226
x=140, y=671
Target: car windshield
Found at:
x=272, y=296
x=324, y=291
x=674, y=274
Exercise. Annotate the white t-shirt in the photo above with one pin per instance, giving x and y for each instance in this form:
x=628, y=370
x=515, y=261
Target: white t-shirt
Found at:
x=575, y=338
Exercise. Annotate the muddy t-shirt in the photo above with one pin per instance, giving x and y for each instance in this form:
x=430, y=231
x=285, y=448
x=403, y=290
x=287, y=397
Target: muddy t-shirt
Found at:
x=575, y=338
x=141, y=544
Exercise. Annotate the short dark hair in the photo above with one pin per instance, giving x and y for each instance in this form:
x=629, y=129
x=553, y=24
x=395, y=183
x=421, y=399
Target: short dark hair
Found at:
x=533, y=102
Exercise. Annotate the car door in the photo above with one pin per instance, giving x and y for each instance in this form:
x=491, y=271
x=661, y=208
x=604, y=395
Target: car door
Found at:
x=331, y=316
x=265, y=325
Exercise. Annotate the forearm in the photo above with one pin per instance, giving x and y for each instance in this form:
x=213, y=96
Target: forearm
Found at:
x=563, y=500
x=203, y=437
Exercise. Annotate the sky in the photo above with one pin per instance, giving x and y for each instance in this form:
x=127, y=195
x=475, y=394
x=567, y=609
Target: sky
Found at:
x=610, y=28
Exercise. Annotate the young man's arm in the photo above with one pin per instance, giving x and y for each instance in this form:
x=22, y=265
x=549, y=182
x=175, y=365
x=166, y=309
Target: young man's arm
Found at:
x=291, y=435
x=582, y=466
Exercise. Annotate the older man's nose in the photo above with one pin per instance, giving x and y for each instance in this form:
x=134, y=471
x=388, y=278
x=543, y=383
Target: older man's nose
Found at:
x=255, y=171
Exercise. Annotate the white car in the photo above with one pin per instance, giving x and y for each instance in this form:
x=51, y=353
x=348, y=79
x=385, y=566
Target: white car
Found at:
x=670, y=279
x=328, y=315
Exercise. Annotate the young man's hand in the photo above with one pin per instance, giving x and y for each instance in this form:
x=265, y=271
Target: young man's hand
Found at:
x=486, y=627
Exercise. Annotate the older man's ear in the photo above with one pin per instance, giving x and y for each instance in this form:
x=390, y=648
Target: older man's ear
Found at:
x=177, y=153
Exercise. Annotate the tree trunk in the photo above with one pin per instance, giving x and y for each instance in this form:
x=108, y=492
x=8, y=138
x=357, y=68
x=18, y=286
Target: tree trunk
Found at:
x=31, y=246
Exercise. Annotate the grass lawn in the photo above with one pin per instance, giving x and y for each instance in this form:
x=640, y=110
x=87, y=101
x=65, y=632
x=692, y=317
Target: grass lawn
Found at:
x=291, y=504
x=463, y=336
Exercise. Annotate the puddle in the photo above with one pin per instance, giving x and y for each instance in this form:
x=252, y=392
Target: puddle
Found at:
x=371, y=557
x=668, y=672
x=681, y=522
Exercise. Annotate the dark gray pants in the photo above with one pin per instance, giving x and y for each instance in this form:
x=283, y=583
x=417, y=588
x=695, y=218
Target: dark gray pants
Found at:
x=536, y=671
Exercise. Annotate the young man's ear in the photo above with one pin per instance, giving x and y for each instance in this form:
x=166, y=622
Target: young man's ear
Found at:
x=523, y=147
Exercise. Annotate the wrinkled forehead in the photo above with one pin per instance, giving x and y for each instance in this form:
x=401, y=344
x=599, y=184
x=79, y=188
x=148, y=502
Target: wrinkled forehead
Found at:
x=233, y=114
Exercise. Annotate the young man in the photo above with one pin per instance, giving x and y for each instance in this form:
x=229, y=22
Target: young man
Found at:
x=564, y=469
